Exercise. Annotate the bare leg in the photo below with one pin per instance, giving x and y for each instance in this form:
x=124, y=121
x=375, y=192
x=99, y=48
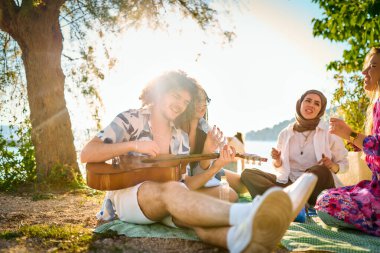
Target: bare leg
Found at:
x=235, y=182
x=214, y=192
x=262, y=230
x=158, y=200
x=214, y=236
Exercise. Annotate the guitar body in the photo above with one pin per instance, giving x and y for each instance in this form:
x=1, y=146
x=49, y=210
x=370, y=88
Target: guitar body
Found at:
x=104, y=176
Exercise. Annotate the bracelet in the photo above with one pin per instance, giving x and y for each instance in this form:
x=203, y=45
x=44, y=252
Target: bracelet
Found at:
x=353, y=136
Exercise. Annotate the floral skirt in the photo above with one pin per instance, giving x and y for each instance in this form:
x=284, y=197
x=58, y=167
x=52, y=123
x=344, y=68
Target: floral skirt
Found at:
x=358, y=205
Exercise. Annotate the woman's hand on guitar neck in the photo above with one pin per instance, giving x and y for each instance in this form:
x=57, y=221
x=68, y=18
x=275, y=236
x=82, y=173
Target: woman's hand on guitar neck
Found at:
x=211, y=145
x=227, y=155
x=214, y=139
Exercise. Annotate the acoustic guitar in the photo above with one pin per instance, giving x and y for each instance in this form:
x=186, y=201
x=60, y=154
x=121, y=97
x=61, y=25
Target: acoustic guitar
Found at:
x=126, y=171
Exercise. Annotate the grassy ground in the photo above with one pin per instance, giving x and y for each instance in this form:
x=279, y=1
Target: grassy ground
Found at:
x=63, y=222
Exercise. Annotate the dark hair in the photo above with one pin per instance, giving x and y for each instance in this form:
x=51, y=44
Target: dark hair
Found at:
x=240, y=137
x=183, y=121
x=168, y=81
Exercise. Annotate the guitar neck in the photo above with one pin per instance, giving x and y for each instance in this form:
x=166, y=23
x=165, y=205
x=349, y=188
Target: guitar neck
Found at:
x=198, y=157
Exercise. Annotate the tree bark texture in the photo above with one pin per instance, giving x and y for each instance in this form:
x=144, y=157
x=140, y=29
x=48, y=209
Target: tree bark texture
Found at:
x=39, y=36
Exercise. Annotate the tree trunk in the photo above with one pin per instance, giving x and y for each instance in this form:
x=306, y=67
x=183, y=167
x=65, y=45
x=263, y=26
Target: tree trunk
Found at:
x=40, y=40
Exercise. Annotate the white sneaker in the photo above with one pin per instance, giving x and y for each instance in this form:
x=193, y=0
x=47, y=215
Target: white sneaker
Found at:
x=300, y=191
x=265, y=225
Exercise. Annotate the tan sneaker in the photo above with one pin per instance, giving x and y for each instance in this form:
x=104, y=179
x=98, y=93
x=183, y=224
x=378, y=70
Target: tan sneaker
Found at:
x=300, y=191
x=268, y=221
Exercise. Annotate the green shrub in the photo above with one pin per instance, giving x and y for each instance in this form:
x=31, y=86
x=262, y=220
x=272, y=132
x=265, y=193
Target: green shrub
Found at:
x=17, y=159
x=352, y=102
x=64, y=177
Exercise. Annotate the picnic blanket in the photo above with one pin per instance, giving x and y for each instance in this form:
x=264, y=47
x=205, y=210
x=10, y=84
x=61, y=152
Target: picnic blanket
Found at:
x=316, y=236
x=311, y=235
x=154, y=230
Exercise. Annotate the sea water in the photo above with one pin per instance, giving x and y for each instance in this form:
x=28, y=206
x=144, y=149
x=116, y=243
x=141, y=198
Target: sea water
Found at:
x=263, y=149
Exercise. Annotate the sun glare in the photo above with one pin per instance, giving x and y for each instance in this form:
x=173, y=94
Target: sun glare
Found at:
x=253, y=82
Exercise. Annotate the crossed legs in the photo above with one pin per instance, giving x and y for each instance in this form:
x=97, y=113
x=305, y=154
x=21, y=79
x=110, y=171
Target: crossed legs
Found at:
x=158, y=200
x=238, y=227
x=258, y=181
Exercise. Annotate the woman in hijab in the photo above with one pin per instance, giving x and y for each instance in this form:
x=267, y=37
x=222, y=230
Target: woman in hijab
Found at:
x=305, y=146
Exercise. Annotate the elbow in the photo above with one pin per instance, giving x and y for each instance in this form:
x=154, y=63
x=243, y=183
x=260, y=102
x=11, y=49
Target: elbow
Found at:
x=83, y=157
x=189, y=185
x=191, y=188
x=89, y=152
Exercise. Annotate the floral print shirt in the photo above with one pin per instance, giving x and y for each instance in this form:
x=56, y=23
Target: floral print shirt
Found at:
x=135, y=125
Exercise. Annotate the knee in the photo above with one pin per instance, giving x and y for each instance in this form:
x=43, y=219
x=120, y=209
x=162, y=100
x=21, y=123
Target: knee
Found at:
x=201, y=233
x=234, y=197
x=173, y=187
x=249, y=176
x=323, y=198
x=322, y=172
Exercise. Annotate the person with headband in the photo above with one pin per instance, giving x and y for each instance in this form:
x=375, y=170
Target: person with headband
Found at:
x=358, y=206
x=304, y=147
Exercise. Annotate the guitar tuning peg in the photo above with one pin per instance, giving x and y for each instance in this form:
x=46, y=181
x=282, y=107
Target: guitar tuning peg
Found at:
x=260, y=163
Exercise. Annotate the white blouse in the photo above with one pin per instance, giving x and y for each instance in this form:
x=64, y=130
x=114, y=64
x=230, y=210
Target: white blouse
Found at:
x=301, y=153
x=322, y=142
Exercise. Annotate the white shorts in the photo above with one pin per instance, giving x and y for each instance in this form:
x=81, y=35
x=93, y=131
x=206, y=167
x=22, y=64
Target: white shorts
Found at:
x=128, y=208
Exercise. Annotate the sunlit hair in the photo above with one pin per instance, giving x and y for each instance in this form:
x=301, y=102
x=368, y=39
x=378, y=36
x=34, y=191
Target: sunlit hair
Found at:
x=184, y=120
x=373, y=95
x=167, y=82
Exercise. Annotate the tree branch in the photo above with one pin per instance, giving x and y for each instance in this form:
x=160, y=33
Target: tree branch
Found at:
x=56, y=3
x=8, y=11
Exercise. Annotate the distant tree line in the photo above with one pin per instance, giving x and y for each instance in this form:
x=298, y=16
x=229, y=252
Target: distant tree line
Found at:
x=268, y=134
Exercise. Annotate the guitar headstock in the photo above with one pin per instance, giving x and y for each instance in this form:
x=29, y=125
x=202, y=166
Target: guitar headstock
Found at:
x=252, y=157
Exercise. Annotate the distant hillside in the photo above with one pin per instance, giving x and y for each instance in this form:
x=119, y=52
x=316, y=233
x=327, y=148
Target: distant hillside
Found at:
x=268, y=134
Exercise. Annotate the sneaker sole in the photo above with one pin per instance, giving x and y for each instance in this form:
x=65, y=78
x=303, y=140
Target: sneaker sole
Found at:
x=271, y=221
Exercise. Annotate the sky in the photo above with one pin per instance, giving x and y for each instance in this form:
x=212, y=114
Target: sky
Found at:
x=253, y=82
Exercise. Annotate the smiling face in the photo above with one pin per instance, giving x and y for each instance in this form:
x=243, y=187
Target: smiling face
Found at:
x=310, y=106
x=372, y=73
x=174, y=103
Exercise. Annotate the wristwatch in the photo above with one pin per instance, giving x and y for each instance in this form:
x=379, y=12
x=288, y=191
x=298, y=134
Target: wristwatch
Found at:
x=353, y=136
